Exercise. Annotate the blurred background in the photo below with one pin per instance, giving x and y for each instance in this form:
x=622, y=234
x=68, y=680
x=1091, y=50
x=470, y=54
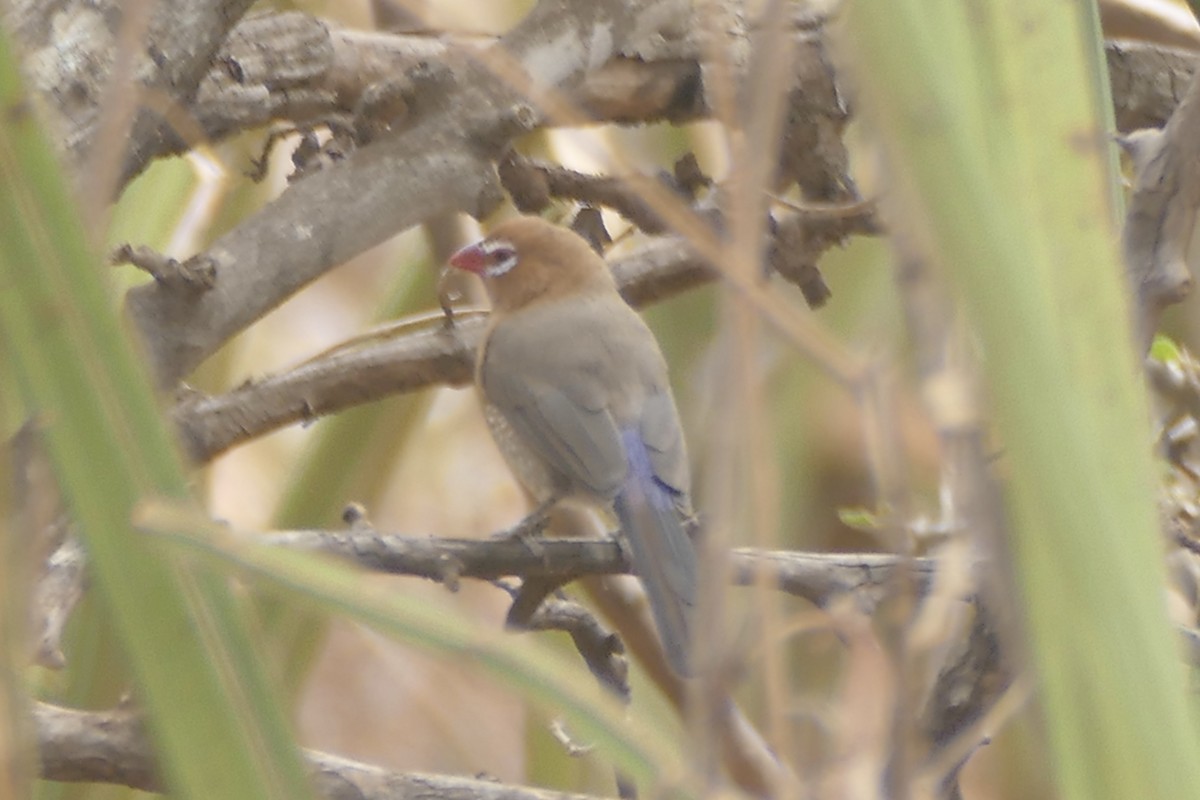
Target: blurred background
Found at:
x=424, y=464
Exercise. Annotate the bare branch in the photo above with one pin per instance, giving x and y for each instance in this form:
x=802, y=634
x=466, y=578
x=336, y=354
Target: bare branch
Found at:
x=273, y=66
x=55, y=596
x=1147, y=82
x=601, y=649
x=439, y=355
x=817, y=577
x=440, y=164
x=94, y=746
x=111, y=747
x=532, y=183
x=346, y=378
x=1162, y=210
x=297, y=67
x=72, y=48
x=195, y=275
x=301, y=68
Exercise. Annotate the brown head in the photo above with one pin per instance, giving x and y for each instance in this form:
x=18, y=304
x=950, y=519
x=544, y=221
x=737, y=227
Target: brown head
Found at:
x=527, y=260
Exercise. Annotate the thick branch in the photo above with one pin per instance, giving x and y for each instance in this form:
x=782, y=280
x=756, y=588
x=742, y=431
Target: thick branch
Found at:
x=300, y=68
x=1162, y=210
x=432, y=356
x=73, y=51
x=1147, y=82
x=210, y=425
x=406, y=363
x=441, y=164
x=110, y=747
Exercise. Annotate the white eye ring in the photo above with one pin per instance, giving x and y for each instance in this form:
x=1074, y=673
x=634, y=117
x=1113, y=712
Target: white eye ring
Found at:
x=506, y=254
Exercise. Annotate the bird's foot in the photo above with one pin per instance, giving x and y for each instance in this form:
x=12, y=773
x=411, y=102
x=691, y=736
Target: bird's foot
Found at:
x=622, y=543
x=529, y=529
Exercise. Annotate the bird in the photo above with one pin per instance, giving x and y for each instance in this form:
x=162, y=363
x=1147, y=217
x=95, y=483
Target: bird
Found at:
x=577, y=394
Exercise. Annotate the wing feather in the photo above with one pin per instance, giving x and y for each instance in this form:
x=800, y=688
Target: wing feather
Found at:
x=581, y=445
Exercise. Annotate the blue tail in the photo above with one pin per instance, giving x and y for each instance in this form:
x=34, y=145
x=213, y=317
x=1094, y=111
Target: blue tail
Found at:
x=663, y=555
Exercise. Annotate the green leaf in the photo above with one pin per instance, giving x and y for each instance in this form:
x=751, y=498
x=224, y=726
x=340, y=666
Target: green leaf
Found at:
x=859, y=518
x=1165, y=350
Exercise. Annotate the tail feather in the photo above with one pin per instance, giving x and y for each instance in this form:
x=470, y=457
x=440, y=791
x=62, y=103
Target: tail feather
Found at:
x=663, y=555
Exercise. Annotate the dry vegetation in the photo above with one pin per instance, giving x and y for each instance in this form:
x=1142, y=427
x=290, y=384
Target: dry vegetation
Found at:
x=829, y=390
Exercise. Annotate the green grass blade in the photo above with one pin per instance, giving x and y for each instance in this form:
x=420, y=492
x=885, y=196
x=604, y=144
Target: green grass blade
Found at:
x=346, y=459
x=208, y=705
x=989, y=113
x=555, y=681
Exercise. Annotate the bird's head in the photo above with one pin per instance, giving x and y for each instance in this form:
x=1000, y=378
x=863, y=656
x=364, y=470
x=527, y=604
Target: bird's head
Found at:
x=527, y=260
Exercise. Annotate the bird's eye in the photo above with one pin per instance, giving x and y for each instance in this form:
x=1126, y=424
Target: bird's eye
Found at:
x=502, y=258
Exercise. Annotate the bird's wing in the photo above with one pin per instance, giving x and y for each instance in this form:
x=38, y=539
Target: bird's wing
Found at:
x=663, y=437
x=577, y=440
x=569, y=381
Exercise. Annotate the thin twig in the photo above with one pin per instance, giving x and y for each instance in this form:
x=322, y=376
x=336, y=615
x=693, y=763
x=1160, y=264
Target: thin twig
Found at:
x=817, y=577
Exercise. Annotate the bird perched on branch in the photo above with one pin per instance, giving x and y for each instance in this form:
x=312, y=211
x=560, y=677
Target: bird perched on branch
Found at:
x=578, y=387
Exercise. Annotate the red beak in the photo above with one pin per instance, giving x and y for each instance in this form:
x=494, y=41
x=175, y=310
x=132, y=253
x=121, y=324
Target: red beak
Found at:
x=471, y=258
